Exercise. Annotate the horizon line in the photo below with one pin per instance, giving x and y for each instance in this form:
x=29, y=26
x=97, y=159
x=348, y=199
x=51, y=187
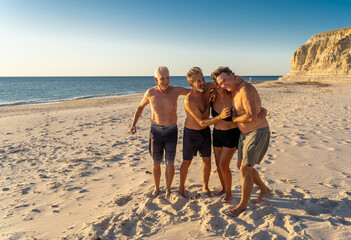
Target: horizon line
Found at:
x=135, y=75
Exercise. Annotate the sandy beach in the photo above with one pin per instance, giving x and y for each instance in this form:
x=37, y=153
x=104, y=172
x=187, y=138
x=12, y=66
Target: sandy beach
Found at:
x=72, y=170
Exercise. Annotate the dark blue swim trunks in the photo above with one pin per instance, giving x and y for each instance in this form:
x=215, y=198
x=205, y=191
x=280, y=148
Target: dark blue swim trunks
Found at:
x=163, y=139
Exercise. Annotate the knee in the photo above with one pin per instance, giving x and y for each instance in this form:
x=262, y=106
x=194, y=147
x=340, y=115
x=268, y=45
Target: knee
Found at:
x=206, y=161
x=246, y=171
x=223, y=166
x=186, y=163
x=169, y=166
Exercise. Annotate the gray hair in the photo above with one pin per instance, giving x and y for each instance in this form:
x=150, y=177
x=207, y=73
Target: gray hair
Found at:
x=192, y=71
x=160, y=69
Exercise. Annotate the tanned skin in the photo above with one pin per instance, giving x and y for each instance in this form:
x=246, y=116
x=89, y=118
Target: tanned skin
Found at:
x=163, y=101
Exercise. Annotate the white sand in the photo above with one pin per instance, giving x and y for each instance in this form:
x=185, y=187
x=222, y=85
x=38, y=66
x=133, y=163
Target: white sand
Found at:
x=73, y=171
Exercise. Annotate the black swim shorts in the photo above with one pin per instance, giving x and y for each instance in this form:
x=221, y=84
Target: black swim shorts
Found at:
x=196, y=140
x=226, y=138
x=163, y=139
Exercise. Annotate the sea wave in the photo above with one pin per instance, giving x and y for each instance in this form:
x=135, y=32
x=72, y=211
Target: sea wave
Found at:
x=40, y=102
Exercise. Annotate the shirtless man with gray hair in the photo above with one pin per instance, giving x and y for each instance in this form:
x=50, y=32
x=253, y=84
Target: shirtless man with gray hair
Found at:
x=254, y=137
x=164, y=132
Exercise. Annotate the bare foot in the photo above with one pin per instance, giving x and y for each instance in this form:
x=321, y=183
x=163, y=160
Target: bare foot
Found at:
x=219, y=192
x=207, y=192
x=235, y=211
x=263, y=194
x=182, y=192
x=168, y=193
x=154, y=193
x=227, y=199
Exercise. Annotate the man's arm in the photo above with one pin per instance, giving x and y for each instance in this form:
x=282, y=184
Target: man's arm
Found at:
x=195, y=112
x=250, y=115
x=138, y=112
x=182, y=91
x=210, y=86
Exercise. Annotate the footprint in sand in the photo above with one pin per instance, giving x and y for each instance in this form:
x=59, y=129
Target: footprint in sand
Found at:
x=123, y=200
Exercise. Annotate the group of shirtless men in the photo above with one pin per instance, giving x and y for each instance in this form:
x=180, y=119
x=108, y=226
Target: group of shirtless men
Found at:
x=239, y=124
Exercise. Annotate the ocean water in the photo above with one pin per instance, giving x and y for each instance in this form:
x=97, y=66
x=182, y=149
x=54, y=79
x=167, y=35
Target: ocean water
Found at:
x=40, y=90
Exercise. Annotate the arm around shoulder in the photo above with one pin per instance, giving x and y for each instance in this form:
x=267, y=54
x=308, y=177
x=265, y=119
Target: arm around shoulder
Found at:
x=196, y=114
x=182, y=90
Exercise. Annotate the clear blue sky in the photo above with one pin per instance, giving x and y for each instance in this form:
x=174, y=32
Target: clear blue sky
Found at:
x=131, y=38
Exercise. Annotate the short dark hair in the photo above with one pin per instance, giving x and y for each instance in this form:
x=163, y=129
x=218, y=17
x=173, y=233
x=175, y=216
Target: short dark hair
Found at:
x=219, y=71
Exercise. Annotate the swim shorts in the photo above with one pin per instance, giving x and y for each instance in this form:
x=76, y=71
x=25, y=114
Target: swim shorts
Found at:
x=226, y=138
x=196, y=141
x=253, y=146
x=163, y=139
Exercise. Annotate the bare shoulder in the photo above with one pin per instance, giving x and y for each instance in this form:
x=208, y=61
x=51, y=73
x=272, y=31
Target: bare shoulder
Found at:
x=248, y=89
x=189, y=98
x=151, y=91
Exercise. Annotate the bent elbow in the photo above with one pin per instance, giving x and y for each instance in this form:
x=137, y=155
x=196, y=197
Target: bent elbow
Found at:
x=202, y=124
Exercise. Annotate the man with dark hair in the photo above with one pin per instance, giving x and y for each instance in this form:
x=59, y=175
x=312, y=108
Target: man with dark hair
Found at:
x=197, y=134
x=254, y=138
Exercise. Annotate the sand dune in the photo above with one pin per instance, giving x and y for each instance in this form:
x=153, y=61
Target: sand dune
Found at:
x=73, y=171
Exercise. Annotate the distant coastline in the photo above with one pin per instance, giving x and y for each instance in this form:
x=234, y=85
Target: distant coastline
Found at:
x=19, y=91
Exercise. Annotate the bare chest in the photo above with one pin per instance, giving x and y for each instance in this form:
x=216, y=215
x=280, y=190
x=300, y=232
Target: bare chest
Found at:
x=203, y=106
x=161, y=102
x=238, y=104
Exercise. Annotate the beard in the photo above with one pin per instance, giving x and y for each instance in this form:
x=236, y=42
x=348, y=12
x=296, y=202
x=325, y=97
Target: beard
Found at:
x=201, y=88
x=163, y=87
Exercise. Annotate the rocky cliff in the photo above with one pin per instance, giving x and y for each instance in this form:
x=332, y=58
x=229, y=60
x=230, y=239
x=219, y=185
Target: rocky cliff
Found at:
x=326, y=56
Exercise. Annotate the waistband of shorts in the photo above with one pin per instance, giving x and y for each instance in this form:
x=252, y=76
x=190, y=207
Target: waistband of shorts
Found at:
x=198, y=131
x=164, y=128
x=218, y=130
x=258, y=130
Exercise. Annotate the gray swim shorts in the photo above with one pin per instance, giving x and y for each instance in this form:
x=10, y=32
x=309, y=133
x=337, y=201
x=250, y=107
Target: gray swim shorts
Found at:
x=163, y=139
x=253, y=146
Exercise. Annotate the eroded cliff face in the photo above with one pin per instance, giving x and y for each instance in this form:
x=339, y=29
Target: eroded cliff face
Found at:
x=325, y=56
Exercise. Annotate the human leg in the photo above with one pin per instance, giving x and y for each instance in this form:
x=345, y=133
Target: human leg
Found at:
x=206, y=172
x=169, y=177
x=225, y=158
x=264, y=190
x=183, y=174
x=156, y=152
x=170, y=151
x=156, y=173
x=217, y=153
x=246, y=188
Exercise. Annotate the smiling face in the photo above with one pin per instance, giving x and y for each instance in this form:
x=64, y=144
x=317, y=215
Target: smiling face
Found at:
x=226, y=82
x=163, y=80
x=198, y=82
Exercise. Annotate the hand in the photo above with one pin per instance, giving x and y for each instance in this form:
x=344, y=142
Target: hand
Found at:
x=238, y=164
x=133, y=130
x=225, y=113
x=262, y=114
